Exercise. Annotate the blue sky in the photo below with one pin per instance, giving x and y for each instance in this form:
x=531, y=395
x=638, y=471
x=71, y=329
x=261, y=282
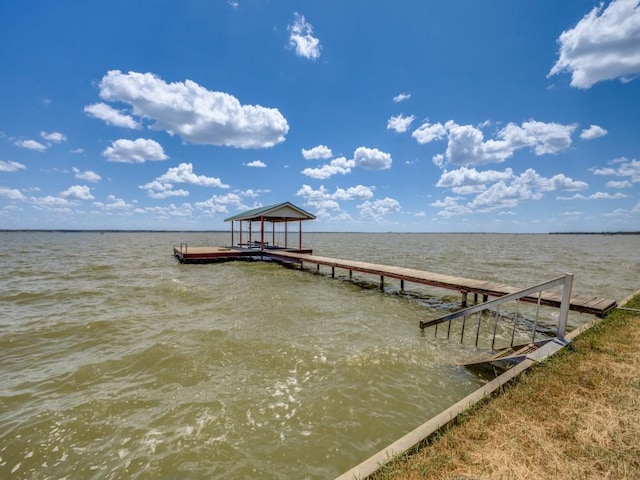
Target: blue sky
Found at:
x=415, y=116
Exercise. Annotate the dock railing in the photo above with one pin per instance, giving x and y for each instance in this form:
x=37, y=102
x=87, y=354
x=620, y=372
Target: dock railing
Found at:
x=565, y=281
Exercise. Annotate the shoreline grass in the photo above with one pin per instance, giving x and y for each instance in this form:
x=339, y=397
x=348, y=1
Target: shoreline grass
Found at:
x=576, y=415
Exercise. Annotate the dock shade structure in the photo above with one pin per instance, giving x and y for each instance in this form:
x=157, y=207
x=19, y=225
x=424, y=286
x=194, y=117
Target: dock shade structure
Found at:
x=273, y=214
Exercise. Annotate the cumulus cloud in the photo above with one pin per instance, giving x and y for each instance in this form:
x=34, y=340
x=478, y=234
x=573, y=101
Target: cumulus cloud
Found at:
x=194, y=113
x=78, y=192
x=89, y=176
x=594, y=131
x=31, y=145
x=257, y=164
x=11, y=166
x=111, y=116
x=368, y=158
x=400, y=123
x=54, y=137
x=11, y=193
x=162, y=187
x=376, y=209
x=595, y=196
x=469, y=180
x=326, y=204
x=497, y=190
x=115, y=204
x=466, y=144
x=604, y=45
x=317, y=153
x=428, y=132
x=621, y=167
x=372, y=158
x=229, y=201
x=337, y=165
x=322, y=199
x=401, y=97
x=302, y=40
x=134, y=151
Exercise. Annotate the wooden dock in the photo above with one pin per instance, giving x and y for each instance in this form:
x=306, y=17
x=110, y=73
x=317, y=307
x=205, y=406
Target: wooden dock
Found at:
x=585, y=304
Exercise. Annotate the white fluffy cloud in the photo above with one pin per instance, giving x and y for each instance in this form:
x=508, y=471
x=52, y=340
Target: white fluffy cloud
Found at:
x=326, y=204
x=497, y=190
x=11, y=193
x=621, y=167
x=594, y=131
x=368, y=158
x=162, y=187
x=111, y=116
x=89, y=176
x=378, y=208
x=78, y=192
x=257, y=164
x=317, y=153
x=10, y=166
x=372, y=158
x=604, y=45
x=428, y=132
x=337, y=165
x=54, y=137
x=302, y=40
x=400, y=123
x=31, y=145
x=134, y=151
x=194, y=113
x=401, y=97
x=467, y=146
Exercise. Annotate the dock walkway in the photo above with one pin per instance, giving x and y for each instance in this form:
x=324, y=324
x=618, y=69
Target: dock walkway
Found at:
x=585, y=304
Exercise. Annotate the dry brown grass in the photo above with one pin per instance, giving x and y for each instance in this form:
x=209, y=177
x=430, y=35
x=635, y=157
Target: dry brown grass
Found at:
x=576, y=416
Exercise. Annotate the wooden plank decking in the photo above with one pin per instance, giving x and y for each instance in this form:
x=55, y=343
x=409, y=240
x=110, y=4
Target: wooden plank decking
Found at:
x=580, y=303
x=586, y=304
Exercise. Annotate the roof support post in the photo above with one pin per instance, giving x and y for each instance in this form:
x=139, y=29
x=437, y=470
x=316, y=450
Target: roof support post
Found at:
x=300, y=229
x=240, y=232
x=261, y=233
x=232, y=233
x=286, y=233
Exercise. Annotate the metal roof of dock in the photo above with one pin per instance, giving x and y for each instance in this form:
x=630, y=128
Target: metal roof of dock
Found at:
x=281, y=212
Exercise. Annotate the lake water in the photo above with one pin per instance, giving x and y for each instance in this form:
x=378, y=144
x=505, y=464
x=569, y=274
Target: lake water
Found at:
x=118, y=362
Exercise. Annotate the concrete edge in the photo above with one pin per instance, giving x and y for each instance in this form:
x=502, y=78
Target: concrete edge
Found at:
x=413, y=438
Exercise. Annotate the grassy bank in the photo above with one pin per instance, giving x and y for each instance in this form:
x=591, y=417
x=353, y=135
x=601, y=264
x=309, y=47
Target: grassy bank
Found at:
x=575, y=416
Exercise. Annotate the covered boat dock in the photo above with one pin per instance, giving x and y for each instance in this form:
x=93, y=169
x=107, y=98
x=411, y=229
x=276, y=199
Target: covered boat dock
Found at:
x=250, y=241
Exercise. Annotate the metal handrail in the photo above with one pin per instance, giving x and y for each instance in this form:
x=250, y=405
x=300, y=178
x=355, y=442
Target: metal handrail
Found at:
x=566, y=281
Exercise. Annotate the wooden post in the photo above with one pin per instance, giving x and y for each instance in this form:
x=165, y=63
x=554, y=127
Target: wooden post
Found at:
x=381, y=283
x=485, y=298
x=464, y=299
x=273, y=234
x=350, y=273
x=402, y=284
x=262, y=233
x=232, y=233
x=250, y=232
x=286, y=233
x=333, y=272
x=300, y=231
x=240, y=233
